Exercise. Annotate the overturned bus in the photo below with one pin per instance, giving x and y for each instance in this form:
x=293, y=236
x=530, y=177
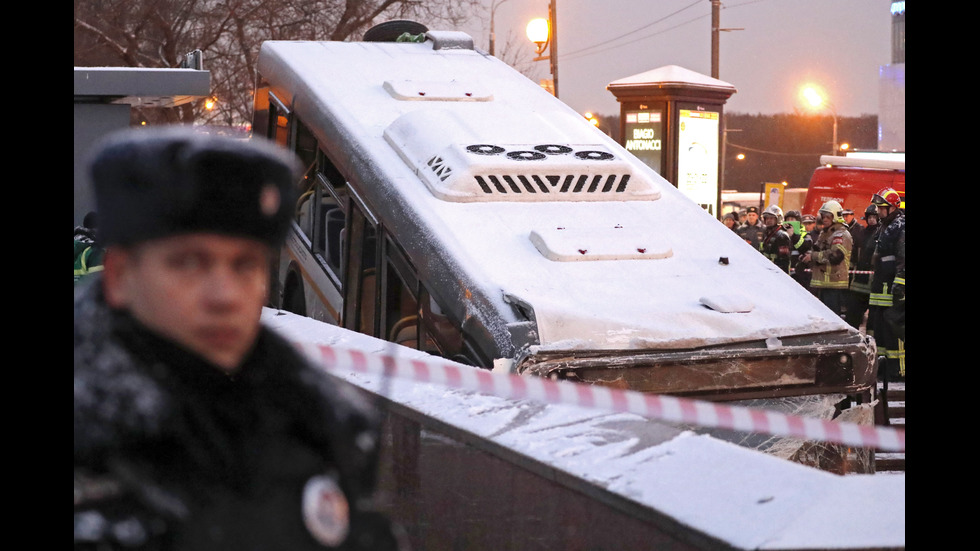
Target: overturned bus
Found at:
x=452, y=205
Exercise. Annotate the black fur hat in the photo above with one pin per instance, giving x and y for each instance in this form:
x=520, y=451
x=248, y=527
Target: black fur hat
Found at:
x=152, y=183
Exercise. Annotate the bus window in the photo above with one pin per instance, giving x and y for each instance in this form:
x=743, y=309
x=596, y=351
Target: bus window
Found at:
x=330, y=230
x=439, y=335
x=306, y=148
x=261, y=115
x=401, y=310
x=360, y=277
x=320, y=212
x=333, y=193
x=278, y=121
x=271, y=118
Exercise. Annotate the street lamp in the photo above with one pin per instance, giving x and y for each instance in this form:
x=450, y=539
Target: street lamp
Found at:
x=538, y=32
x=813, y=96
x=544, y=34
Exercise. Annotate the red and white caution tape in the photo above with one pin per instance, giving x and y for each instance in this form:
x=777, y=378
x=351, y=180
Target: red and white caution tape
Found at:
x=652, y=406
x=869, y=272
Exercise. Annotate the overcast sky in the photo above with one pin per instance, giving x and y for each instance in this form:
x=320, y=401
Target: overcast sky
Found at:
x=839, y=44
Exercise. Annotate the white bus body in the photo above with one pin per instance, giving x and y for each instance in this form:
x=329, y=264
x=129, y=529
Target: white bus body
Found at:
x=455, y=206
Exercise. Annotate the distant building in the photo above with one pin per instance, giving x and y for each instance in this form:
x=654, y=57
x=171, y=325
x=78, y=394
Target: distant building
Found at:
x=891, y=87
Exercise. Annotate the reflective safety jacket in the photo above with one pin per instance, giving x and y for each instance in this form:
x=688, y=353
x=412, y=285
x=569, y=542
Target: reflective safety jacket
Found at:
x=88, y=258
x=831, y=258
x=885, y=259
x=801, y=244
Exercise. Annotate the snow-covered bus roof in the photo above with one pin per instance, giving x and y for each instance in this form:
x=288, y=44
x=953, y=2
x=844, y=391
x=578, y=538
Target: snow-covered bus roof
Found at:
x=480, y=154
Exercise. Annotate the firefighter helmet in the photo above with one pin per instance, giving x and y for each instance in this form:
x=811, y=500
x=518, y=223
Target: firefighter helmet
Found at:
x=871, y=210
x=774, y=210
x=834, y=209
x=887, y=197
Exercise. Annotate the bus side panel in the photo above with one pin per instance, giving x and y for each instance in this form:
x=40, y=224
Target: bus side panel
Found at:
x=322, y=301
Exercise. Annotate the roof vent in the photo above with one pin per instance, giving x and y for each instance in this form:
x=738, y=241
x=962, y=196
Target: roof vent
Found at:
x=439, y=148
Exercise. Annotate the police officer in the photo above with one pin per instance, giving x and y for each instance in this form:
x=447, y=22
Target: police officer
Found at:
x=889, y=255
x=829, y=260
x=751, y=230
x=775, y=242
x=195, y=427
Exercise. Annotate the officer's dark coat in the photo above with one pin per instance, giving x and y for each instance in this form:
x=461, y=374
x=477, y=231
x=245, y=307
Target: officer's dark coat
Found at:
x=172, y=453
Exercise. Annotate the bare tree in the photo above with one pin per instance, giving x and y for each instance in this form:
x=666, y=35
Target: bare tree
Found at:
x=517, y=53
x=158, y=33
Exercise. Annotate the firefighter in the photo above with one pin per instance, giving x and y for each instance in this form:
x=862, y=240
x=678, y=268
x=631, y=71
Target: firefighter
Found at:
x=860, y=288
x=802, y=272
x=829, y=260
x=775, y=242
x=888, y=256
x=896, y=314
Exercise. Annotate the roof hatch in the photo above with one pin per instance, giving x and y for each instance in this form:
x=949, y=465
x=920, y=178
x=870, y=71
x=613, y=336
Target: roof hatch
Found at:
x=611, y=243
x=453, y=90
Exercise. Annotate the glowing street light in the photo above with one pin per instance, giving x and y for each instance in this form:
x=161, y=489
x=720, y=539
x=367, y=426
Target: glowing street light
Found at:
x=539, y=32
x=815, y=98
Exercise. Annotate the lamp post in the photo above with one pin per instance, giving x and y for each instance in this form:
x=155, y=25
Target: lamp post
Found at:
x=816, y=99
x=544, y=34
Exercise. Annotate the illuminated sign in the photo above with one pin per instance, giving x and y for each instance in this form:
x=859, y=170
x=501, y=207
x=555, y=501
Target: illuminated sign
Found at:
x=697, y=157
x=774, y=194
x=644, y=136
x=898, y=8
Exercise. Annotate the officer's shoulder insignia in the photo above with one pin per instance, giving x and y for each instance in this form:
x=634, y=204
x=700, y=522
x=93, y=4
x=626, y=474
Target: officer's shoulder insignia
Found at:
x=326, y=512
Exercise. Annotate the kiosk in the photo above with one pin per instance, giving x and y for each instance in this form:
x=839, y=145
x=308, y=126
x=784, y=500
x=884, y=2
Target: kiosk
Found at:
x=672, y=120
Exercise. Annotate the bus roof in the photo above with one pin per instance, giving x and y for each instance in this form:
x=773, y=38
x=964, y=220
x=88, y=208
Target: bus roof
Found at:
x=619, y=267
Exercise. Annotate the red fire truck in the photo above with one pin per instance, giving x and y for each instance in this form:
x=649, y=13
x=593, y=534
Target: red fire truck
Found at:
x=853, y=180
